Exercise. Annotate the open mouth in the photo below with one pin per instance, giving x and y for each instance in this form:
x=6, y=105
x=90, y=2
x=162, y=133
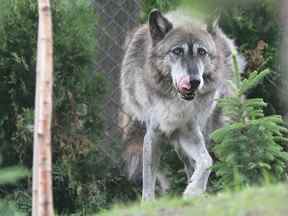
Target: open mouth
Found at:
x=188, y=95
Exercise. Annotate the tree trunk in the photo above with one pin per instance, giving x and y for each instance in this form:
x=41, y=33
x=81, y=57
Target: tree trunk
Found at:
x=42, y=160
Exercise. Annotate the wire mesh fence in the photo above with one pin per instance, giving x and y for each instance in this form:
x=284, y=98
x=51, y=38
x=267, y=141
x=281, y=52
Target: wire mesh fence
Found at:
x=115, y=19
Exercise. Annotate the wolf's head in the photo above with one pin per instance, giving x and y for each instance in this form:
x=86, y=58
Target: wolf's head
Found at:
x=184, y=52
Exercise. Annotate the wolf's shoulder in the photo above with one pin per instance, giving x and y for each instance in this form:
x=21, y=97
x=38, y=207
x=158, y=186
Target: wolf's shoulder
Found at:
x=137, y=45
x=137, y=37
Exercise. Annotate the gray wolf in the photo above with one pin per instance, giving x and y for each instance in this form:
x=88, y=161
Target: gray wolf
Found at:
x=173, y=71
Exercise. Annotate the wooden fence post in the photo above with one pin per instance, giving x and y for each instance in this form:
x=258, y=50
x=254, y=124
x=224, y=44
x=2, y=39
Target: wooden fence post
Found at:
x=42, y=203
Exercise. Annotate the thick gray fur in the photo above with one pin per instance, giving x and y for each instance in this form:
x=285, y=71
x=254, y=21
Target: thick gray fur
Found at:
x=150, y=97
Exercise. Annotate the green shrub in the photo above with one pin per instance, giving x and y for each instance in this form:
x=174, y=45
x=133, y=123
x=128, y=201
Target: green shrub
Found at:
x=249, y=149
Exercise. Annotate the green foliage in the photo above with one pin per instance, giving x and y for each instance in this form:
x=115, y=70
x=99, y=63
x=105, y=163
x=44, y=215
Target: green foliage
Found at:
x=163, y=5
x=11, y=175
x=249, y=149
x=254, y=26
x=9, y=209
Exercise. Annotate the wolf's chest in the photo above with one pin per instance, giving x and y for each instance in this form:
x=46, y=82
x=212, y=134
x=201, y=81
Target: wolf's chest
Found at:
x=171, y=116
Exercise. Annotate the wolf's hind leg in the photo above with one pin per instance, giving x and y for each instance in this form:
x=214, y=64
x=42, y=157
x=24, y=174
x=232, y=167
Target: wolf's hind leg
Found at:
x=151, y=159
x=133, y=136
x=193, y=145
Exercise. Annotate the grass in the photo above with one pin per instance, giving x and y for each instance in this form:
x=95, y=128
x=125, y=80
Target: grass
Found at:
x=266, y=201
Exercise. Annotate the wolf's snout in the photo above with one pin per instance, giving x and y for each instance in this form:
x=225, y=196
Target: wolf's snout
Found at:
x=187, y=87
x=188, y=84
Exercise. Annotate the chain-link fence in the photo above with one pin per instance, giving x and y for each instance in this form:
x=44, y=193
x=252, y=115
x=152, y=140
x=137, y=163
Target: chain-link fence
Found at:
x=115, y=19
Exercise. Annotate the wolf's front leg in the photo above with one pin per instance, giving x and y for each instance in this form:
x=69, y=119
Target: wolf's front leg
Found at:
x=151, y=158
x=193, y=145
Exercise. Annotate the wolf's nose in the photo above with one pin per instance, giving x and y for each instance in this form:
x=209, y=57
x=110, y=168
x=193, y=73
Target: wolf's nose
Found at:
x=195, y=83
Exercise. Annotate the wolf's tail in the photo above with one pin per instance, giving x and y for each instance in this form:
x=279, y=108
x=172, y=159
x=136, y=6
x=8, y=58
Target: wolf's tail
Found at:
x=133, y=136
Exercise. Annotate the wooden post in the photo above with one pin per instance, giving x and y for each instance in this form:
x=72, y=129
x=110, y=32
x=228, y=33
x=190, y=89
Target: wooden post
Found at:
x=42, y=203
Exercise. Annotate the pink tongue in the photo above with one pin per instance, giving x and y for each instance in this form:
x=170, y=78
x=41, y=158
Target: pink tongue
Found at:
x=184, y=84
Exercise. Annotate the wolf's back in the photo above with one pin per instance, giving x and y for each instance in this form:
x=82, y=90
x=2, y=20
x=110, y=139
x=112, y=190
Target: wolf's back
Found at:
x=132, y=70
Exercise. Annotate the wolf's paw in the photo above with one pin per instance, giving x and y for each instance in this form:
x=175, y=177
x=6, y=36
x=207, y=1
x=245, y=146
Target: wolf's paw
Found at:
x=192, y=191
x=147, y=197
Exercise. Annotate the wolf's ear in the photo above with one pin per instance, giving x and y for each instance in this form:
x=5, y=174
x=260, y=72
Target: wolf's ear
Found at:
x=159, y=25
x=213, y=22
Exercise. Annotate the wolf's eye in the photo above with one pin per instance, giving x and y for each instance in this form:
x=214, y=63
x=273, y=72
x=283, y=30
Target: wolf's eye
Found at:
x=178, y=51
x=202, y=51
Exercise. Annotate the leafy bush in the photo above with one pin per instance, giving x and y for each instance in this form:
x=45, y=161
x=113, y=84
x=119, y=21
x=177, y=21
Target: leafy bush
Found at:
x=162, y=5
x=249, y=149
